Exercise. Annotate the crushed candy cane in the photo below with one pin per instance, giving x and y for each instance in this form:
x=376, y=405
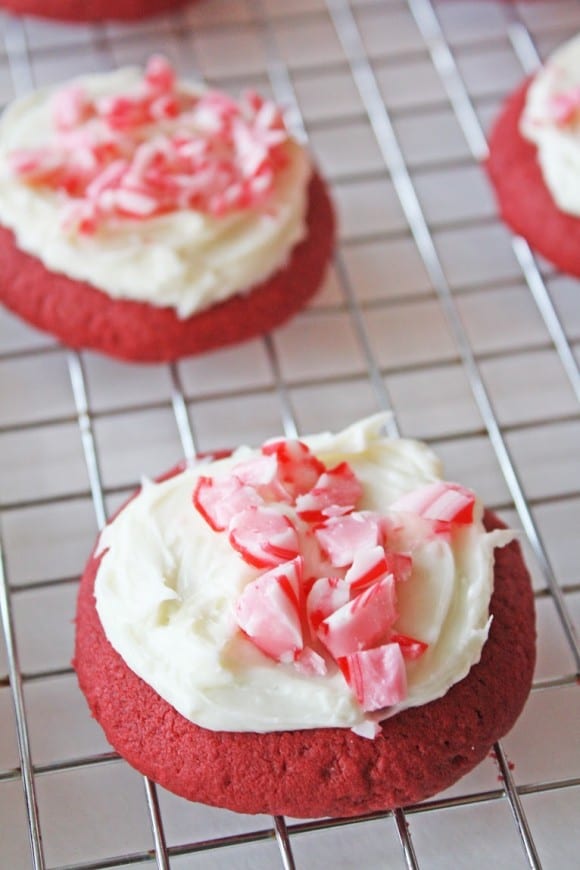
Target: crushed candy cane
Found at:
x=275, y=508
x=156, y=150
x=564, y=107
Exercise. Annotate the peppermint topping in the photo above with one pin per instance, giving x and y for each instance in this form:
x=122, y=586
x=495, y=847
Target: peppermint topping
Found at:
x=326, y=595
x=156, y=150
x=363, y=622
x=335, y=493
x=564, y=107
x=285, y=512
x=446, y=502
x=268, y=611
x=263, y=537
x=377, y=676
x=342, y=537
x=219, y=501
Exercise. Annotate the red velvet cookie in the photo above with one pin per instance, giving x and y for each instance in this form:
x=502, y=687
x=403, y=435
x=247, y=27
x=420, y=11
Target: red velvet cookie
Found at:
x=85, y=317
x=319, y=772
x=524, y=201
x=144, y=190
x=91, y=10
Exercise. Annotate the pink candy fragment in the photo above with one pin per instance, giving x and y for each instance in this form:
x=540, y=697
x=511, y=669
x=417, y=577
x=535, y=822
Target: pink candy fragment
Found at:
x=335, y=493
x=219, y=500
x=352, y=615
x=400, y=565
x=368, y=566
x=71, y=108
x=178, y=151
x=262, y=473
x=442, y=501
x=565, y=106
x=342, y=537
x=410, y=647
x=160, y=75
x=363, y=622
x=268, y=612
x=298, y=468
x=309, y=663
x=326, y=595
x=263, y=537
x=377, y=676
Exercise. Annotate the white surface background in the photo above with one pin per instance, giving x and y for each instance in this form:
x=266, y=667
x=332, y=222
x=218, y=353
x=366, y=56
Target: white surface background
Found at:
x=420, y=332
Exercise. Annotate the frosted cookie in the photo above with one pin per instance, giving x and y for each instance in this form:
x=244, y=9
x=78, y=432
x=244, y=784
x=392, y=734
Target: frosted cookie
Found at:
x=534, y=160
x=315, y=628
x=149, y=219
x=91, y=10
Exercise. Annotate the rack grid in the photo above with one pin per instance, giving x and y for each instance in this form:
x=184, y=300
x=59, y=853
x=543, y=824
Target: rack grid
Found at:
x=431, y=310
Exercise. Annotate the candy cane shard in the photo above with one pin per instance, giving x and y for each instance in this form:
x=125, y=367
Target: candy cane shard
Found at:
x=298, y=468
x=411, y=648
x=368, y=566
x=341, y=538
x=310, y=663
x=268, y=612
x=220, y=500
x=377, y=676
x=327, y=595
x=335, y=493
x=363, y=622
x=181, y=150
x=263, y=474
x=442, y=501
x=565, y=106
x=400, y=565
x=263, y=536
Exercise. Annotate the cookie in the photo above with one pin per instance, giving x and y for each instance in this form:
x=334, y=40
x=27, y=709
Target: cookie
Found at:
x=83, y=317
x=225, y=233
x=91, y=10
x=525, y=200
x=318, y=771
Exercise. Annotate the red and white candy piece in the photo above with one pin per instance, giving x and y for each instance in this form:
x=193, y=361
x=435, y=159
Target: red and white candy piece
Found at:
x=410, y=647
x=335, y=493
x=71, y=107
x=298, y=468
x=256, y=472
x=310, y=663
x=159, y=75
x=564, y=107
x=263, y=537
x=181, y=150
x=262, y=472
x=341, y=538
x=368, y=566
x=377, y=676
x=219, y=500
x=326, y=595
x=442, y=501
x=268, y=612
x=400, y=565
x=363, y=622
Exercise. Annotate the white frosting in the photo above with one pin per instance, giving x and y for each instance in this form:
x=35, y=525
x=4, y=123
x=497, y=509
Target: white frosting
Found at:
x=186, y=260
x=558, y=145
x=167, y=584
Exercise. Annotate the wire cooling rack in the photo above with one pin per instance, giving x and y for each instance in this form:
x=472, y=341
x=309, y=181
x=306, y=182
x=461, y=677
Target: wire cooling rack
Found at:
x=431, y=310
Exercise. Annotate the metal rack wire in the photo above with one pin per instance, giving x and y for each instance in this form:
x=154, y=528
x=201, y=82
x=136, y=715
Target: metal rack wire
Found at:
x=432, y=33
